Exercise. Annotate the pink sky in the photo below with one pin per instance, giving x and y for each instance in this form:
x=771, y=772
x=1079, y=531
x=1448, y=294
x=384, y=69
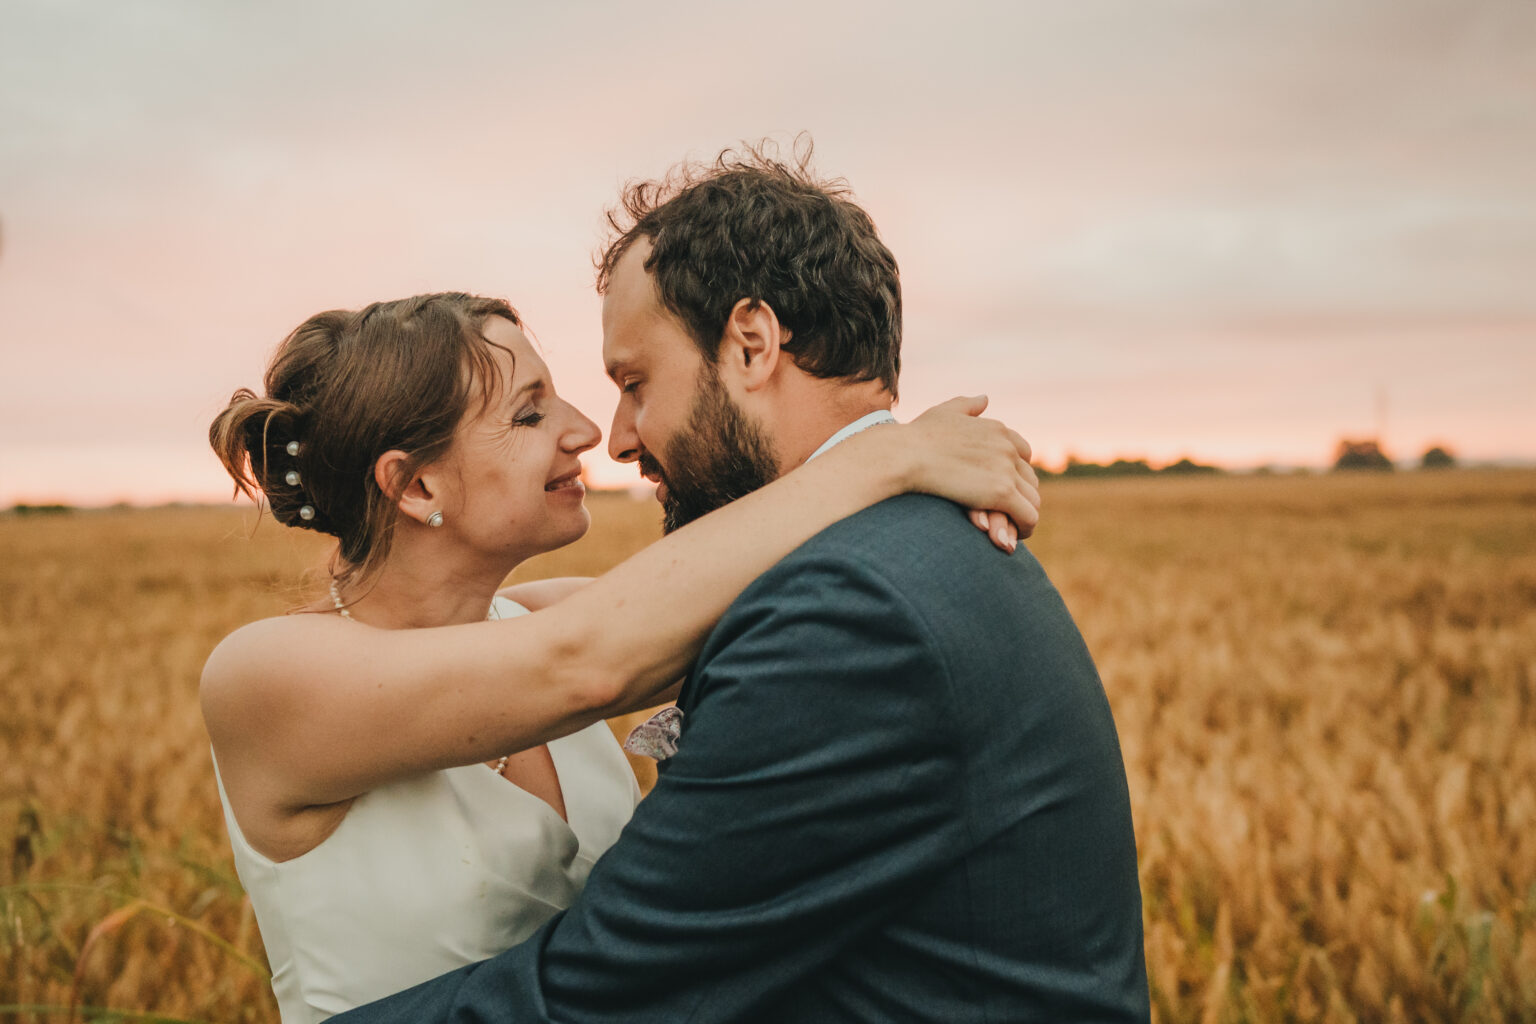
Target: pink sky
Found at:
x=1146, y=230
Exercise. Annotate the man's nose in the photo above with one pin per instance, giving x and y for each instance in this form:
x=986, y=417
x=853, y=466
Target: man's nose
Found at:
x=623, y=440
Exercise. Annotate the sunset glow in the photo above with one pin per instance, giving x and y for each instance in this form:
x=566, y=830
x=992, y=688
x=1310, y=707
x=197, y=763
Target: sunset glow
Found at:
x=1232, y=233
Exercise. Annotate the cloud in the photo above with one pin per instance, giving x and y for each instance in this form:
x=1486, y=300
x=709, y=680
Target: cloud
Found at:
x=1067, y=186
x=1382, y=254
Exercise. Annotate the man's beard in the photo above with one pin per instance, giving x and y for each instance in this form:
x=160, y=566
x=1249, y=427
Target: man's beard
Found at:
x=717, y=457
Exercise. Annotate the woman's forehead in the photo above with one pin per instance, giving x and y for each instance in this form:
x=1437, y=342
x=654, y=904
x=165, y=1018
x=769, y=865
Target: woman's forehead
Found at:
x=515, y=357
x=500, y=331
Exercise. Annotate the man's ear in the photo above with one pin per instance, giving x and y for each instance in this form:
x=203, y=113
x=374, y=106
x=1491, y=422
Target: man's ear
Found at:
x=414, y=495
x=751, y=346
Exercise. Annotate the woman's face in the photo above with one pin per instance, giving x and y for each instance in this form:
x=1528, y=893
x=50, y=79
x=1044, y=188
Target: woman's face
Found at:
x=512, y=476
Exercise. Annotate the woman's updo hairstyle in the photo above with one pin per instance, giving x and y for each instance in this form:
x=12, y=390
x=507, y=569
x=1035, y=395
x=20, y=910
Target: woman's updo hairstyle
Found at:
x=344, y=388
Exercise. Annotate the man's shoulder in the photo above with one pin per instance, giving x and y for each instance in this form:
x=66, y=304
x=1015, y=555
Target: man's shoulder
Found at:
x=906, y=532
x=915, y=544
x=905, y=513
x=910, y=575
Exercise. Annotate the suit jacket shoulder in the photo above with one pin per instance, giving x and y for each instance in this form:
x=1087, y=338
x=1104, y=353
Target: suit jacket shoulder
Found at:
x=918, y=559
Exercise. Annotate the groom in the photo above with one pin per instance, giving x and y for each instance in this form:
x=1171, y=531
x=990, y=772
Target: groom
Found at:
x=898, y=793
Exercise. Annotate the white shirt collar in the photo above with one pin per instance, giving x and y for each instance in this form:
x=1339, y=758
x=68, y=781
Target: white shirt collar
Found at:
x=862, y=423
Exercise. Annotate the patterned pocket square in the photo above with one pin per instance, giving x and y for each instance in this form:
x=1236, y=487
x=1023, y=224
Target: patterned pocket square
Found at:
x=657, y=736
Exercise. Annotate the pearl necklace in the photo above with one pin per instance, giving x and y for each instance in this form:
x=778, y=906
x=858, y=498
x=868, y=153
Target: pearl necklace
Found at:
x=490, y=616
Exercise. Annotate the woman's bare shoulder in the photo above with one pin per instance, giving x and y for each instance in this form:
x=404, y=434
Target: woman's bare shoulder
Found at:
x=263, y=661
x=543, y=593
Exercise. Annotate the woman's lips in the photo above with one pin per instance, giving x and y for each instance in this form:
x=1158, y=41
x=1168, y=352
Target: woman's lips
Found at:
x=569, y=482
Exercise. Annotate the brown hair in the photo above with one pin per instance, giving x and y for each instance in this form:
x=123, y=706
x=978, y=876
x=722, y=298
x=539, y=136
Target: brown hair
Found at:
x=348, y=386
x=752, y=226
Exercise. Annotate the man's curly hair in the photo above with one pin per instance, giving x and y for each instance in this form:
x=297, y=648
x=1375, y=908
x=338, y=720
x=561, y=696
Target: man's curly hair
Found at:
x=752, y=226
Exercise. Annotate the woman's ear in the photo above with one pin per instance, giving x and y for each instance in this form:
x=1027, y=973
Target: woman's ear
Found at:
x=414, y=494
x=751, y=345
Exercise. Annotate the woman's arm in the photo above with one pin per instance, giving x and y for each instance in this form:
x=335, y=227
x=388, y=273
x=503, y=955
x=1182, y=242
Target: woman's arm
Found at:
x=539, y=594
x=315, y=709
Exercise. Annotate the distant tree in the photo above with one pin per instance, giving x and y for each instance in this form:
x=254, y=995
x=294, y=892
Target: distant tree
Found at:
x=1187, y=467
x=1077, y=468
x=1120, y=467
x=1361, y=455
x=1130, y=467
x=1437, y=458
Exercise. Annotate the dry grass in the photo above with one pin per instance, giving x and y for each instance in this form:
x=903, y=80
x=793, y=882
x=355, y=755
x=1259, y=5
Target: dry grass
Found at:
x=1324, y=688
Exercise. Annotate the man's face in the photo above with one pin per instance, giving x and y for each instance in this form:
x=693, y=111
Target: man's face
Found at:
x=675, y=417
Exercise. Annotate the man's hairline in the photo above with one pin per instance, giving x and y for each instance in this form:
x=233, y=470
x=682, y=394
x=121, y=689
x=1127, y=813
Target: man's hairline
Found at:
x=616, y=251
x=625, y=242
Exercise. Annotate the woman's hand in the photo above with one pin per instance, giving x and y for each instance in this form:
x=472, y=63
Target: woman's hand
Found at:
x=976, y=462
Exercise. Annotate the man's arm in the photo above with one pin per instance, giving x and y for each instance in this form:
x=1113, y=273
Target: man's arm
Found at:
x=814, y=787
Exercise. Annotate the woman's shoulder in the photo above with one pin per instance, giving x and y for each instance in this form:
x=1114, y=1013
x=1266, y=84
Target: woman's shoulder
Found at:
x=543, y=593
x=263, y=653
x=268, y=638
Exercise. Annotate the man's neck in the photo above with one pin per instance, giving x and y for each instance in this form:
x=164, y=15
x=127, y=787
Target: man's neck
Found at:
x=816, y=421
x=859, y=425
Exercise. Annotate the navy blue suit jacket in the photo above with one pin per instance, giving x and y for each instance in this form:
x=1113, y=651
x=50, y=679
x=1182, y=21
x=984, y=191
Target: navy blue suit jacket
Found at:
x=898, y=796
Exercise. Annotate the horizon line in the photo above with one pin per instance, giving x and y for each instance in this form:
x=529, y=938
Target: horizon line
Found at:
x=642, y=490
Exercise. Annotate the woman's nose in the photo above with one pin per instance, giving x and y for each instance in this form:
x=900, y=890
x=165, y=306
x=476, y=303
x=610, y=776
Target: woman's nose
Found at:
x=583, y=434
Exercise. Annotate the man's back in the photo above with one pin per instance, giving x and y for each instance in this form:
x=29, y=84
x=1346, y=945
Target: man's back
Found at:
x=1032, y=911
x=898, y=795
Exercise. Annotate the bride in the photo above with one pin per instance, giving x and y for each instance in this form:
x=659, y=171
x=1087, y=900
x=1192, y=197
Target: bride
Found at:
x=407, y=788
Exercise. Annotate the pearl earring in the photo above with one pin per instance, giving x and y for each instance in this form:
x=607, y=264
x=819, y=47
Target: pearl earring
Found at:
x=435, y=520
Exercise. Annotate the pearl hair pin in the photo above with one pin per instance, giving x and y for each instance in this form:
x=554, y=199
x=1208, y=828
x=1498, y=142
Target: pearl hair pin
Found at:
x=306, y=512
x=293, y=448
x=490, y=616
x=291, y=478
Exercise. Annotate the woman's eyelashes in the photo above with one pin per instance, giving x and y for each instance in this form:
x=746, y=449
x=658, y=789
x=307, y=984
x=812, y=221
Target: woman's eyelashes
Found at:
x=529, y=417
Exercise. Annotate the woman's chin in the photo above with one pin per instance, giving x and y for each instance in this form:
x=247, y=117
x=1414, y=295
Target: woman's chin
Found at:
x=579, y=527
x=560, y=529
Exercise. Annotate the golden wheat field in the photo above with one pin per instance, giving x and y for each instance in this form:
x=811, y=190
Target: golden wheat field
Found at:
x=1325, y=689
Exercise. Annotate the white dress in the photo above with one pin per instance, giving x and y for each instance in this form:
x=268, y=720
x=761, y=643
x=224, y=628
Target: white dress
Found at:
x=431, y=873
